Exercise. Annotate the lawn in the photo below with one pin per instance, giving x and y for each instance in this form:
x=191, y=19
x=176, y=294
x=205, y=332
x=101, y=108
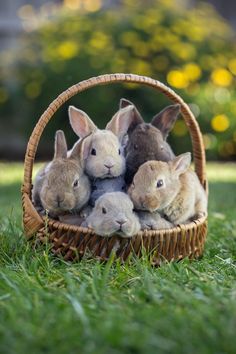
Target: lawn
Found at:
x=50, y=306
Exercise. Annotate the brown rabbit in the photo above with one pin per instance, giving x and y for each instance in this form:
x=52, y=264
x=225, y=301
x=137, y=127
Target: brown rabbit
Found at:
x=172, y=189
x=62, y=185
x=147, y=141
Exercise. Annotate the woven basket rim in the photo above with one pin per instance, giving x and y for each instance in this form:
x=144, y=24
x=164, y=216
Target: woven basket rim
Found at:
x=190, y=121
x=84, y=230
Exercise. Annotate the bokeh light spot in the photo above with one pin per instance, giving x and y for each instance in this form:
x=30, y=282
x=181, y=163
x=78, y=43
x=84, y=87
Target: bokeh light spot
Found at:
x=178, y=79
x=92, y=5
x=220, y=123
x=72, y=4
x=221, y=77
x=193, y=71
x=67, y=49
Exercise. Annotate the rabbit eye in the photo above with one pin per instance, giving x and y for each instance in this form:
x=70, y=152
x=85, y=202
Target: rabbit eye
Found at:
x=136, y=146
x=162, y=147
x=104, y=210
x=76, y=183
x=160, y=183
x=93, y=152
x=119, y=151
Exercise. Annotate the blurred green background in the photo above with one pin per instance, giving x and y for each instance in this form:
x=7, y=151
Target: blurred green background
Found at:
x=185, y=44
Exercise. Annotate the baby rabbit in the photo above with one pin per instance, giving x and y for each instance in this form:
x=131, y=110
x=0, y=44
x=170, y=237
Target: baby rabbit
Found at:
x=148, y=141
x=152, y=221
x=62, y=184
x=106, y=185
x=170, y=188
x=113, y=214
x=104, y=156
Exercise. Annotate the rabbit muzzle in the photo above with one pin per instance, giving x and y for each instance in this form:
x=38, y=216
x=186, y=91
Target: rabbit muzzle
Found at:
x=148, y=203
x=62, y=202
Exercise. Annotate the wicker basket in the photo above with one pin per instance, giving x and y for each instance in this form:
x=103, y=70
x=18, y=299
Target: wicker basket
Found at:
x=72, y=242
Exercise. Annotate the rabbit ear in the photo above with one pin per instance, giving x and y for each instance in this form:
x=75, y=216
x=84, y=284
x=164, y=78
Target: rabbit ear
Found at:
x=165, y=120
x=122, y=121
x=60, y=146
x=124, y=103
x=181, y=163
x=80, y=122
x=80, y=150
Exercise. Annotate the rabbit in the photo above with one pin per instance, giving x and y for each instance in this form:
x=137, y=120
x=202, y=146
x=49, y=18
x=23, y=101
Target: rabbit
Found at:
x=105, y=155
x=113, y=214
x=153, y=221
x=147, y=141
x=170, y=188
x=106, y=185
x=62, y=184
x=76, y=217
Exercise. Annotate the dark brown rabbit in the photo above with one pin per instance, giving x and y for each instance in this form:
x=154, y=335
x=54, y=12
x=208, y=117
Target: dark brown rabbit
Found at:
x=147, y=141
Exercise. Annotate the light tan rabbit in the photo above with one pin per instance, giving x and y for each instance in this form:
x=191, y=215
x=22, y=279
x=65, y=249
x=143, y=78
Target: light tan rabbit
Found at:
x=171, y=188
x=62, y=184
x=113, y=214
x=105, y=158
x=153, y=221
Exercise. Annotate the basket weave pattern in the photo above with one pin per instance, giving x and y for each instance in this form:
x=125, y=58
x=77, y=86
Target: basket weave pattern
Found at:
x=72, y=242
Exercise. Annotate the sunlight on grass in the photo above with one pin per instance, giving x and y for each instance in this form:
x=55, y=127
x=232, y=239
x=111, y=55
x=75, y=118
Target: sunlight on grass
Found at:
x=221, y=172
x=13, y=172
x=10, y=173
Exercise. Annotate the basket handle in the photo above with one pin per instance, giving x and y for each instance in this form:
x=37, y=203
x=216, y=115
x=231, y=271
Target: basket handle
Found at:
x=190, y=121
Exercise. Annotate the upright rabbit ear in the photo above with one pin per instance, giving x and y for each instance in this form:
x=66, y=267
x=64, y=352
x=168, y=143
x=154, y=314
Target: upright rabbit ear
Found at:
x=124, y=103
x=181, y=163
x=165, y=120
x=80, y=122
x=123, y=120
x=60, y=146
x=80, y=150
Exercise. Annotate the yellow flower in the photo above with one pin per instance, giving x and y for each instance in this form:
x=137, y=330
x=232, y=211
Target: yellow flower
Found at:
x=67, y=49
x=220, y=123
x=193, y=71
x=221, y=77
x=178, y=79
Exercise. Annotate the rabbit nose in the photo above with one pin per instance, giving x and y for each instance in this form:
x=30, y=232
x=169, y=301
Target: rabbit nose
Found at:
x=121, y=221
x=59, y=200
x=109, y=166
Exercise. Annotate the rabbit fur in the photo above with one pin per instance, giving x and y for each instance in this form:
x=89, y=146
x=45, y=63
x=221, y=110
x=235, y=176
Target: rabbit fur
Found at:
x=106, y=185
x=104, y=156
x=62, y=185
x=172, y=189
x=147, y=141
x=153, y=221
x=76, y=217
x=113, y=214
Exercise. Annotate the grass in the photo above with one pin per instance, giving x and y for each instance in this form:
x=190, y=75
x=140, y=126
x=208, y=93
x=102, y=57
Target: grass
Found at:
x=50, y=306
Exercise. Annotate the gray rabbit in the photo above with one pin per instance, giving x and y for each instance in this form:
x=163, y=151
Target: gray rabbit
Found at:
x=104, y=158
x=147, y=141
x=113, y=214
